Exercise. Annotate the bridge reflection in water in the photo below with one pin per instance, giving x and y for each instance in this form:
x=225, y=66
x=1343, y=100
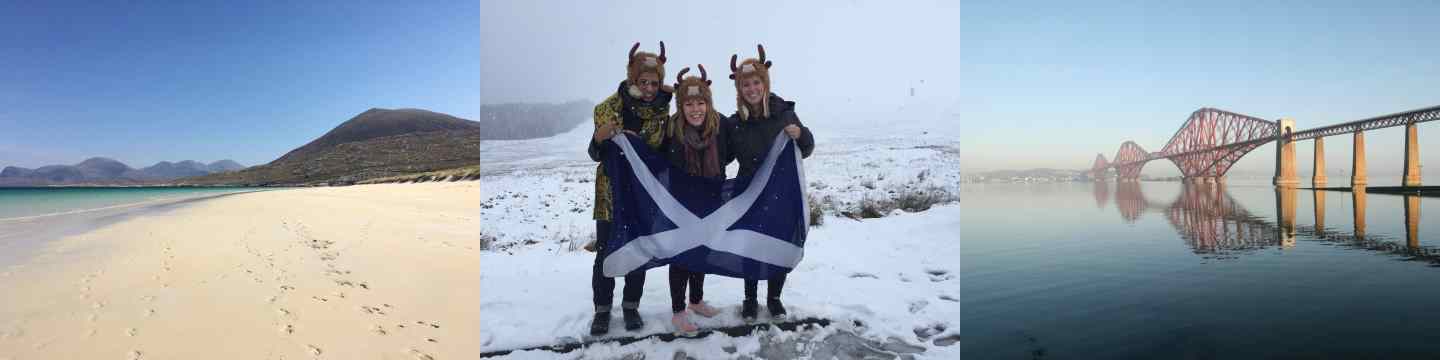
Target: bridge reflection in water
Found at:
x=1214, y=225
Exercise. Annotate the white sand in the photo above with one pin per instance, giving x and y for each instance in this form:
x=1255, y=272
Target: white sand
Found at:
x=361, y=272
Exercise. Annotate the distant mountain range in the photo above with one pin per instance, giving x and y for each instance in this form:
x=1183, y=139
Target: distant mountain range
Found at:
x=374, y=144
x=106, y=171
x=515, y=121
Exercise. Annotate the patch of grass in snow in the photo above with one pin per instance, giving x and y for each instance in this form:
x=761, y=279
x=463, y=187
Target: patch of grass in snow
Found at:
x=910, y=198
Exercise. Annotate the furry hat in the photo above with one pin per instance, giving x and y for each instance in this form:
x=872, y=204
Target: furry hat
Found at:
x=751, y=67
x=693, y=87
x=641, y=62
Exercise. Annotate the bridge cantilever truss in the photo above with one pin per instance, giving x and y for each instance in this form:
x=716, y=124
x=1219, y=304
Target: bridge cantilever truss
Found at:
x=1206, y=145
x=1212, y=140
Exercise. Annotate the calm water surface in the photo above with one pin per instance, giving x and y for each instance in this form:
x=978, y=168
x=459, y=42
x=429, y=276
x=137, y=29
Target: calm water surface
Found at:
x=1172, y=271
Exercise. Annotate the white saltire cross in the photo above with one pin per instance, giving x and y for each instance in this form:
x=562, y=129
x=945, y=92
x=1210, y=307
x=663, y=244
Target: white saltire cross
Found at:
x=710, y=231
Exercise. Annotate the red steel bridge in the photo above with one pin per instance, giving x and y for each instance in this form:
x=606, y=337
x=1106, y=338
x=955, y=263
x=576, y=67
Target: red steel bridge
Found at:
x=1212, y=140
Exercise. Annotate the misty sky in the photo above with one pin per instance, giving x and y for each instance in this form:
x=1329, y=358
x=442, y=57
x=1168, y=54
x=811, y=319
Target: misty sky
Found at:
x=847, y=64
x=1052, y=84
x=143, y=81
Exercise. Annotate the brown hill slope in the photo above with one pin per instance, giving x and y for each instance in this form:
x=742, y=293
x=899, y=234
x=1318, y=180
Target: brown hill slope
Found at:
x=375, y=143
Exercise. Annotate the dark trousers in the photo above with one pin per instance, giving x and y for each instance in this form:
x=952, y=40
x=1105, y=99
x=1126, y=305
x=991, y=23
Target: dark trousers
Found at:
x=603, y=287
x=772, y=289
x=679, y=278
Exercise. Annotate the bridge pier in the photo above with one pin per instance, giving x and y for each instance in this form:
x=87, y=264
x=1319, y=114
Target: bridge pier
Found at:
x=1357, y=163
x=1285, y=156
x=1318, y=179
x=1412, y=156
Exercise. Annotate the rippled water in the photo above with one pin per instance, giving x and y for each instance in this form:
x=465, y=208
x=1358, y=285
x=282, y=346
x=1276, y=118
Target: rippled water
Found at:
x=1172, y=271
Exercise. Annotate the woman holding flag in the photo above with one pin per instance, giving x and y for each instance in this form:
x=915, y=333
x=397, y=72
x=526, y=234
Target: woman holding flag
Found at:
x=696, y=143
x=640, y=105
x=759, y=116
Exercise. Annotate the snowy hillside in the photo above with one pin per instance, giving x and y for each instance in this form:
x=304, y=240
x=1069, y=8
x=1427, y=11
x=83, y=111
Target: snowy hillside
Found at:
x=888, y=284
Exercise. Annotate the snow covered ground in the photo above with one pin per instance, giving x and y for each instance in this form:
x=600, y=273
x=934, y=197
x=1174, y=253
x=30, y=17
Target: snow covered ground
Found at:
x=887, y=282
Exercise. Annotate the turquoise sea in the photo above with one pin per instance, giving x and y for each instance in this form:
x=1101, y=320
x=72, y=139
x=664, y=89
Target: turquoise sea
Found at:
x=31, y=217
x=24, y=202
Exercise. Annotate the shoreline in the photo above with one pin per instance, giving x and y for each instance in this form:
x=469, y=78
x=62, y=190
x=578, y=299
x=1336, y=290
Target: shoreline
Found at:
x=340, y=272
x=21, y=236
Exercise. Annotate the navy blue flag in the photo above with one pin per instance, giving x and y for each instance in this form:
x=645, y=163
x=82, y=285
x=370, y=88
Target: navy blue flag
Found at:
x=750, y=228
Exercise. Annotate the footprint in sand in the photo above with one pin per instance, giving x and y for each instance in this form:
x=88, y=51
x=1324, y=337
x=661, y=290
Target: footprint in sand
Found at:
x=14, y=332
x=97, y=305
x=420, y=355
x=149, y=312
x=131, y=331
x=314, y=350
x=285, y=313
x=287, y=329
x=377, y=329
x=135, y=355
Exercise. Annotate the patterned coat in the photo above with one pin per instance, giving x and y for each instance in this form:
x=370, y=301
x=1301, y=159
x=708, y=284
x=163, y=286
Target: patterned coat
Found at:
x=647, y=118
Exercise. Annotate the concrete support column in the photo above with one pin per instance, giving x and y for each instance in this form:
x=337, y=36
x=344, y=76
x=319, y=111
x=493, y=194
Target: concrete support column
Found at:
x=1285, y=156
x=1412, y=156
x=1318, y=179
x=1357, y=163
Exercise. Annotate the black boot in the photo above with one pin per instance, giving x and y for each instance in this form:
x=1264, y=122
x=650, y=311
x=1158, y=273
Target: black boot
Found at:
x=777, y=310
x=601, y=324
x=632, y=320
x=748, y=309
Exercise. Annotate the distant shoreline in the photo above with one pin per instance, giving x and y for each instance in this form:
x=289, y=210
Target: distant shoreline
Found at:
x=21, y=236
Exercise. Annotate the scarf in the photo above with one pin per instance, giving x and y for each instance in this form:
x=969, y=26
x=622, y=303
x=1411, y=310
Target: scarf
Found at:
x=701, y=156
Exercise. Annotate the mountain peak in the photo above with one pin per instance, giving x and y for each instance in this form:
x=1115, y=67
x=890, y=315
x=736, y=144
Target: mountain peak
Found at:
x=377, y=123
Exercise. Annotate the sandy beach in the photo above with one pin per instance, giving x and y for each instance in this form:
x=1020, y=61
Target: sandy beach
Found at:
x=360, y=272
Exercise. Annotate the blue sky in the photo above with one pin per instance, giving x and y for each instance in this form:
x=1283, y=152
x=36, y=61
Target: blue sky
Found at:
x=1050, y=84
x=145, y=81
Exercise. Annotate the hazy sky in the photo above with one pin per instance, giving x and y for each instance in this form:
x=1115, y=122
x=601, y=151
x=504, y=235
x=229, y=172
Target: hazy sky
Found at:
x=1052, y=84
x=143, y=81
x=846, y=63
